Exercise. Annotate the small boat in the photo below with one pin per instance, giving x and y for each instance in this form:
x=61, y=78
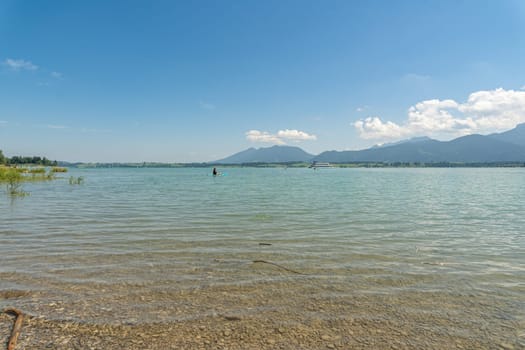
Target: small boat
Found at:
x=316, y=165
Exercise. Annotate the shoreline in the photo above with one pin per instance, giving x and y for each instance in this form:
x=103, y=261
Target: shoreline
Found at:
x=278, y=315
x=221, y=332
x=299, y=165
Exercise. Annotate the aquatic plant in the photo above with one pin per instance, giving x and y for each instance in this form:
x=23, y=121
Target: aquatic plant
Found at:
x=14, y=189
x=13, y=178
x=39, y=174
x=76, y=180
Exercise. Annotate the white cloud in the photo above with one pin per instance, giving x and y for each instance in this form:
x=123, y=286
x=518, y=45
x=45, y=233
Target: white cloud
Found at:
x=295, y=135
x=17, y=65
x=263, y=136
x=280, y=138
x=375, y=128
x=362, y=109
x=483, y=112
x=56, y=75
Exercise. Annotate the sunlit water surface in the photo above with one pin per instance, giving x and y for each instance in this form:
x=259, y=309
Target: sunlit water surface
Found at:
x=121, y=246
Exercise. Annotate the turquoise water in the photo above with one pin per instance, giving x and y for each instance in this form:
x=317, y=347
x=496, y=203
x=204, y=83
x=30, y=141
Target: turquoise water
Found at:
x=127, y=235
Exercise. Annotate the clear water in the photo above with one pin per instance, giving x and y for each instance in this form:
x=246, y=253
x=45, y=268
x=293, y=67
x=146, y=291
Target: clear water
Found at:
x=119, y=242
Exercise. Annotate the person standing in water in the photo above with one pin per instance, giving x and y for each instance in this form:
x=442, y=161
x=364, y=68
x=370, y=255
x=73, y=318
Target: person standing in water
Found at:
x=214, y=172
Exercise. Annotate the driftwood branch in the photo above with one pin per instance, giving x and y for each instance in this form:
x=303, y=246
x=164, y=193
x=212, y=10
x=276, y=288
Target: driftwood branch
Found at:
x=16, y=328
x=279, y=266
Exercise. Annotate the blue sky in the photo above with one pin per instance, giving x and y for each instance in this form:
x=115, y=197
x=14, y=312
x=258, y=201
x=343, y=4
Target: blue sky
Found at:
x=175, y=81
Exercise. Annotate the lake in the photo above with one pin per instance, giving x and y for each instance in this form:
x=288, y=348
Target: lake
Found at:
x=436, y=254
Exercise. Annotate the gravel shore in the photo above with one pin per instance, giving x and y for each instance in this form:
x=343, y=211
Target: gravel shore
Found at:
x=275, y=317
x=223, y=333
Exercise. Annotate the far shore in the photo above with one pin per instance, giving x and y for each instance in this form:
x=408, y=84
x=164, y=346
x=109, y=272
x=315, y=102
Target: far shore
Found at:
x=297, y=165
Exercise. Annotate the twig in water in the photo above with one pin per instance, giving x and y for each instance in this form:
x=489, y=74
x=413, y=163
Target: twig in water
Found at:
x=230, y=318
x=265, y=244
x=280, y=266
x=16, y=328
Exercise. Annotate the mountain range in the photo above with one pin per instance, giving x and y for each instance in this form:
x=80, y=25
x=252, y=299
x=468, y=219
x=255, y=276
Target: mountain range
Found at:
x=508, y=146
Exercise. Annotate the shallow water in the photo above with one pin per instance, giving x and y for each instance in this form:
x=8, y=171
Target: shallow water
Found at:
x=164, y=245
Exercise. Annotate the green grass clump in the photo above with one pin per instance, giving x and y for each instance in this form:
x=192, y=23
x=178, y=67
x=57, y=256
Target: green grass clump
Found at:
x=57, y=169
x=9, y=175
x=36, y=171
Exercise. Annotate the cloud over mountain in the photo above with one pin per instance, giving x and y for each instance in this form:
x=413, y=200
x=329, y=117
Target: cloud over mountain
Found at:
x=280, y=137
x=483, y=112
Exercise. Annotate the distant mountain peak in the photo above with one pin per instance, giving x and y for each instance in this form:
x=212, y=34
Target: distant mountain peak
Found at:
x=411, y=140
x=272, y=154
x=515, y=136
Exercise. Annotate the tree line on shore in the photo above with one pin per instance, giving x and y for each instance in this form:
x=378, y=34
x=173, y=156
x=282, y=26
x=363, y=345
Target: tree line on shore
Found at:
x=13, y=176
x=35, y=160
